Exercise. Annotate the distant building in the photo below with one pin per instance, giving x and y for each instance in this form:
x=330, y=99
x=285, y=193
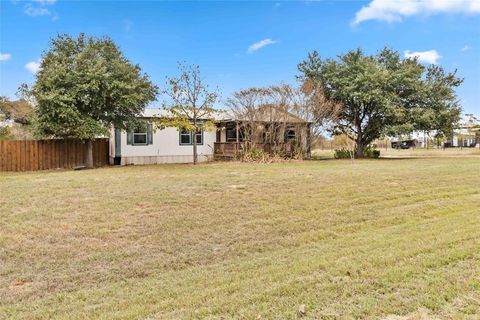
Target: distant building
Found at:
x=466, y=135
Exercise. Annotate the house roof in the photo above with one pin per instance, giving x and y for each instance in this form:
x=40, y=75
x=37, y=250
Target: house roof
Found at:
x=269, y=113
x=158, y=113
x=266, y=113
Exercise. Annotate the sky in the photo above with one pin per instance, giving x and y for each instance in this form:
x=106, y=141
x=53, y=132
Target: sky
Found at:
x=240, y=44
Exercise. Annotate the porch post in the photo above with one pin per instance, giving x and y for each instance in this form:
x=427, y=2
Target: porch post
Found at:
x=236, y=138
x=236, y=131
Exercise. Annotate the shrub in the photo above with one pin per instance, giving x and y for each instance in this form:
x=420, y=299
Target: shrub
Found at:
x=253, y=155
x=5, y=133
x=343, y=154
x=371, y=152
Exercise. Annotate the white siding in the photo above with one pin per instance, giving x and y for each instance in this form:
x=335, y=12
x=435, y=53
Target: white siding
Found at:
x=165, y=148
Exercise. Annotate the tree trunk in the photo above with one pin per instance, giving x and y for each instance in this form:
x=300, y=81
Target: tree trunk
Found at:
x=194, y=151
x=359, y=148
x=359, y=152
x=309, y=142
x=195, y=143
x=90, y=154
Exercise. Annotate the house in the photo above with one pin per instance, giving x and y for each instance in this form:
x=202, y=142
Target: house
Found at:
x=171, y=145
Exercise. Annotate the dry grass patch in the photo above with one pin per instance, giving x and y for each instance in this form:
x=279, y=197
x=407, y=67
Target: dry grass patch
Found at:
x=410, y=153
x=372, y=239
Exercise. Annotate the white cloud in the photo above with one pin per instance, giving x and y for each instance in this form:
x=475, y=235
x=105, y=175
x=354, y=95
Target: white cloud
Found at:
x=466, y=48
x=260, y=44
x=429, y=56
x=5, y=56
x=33, y=66
x=34, y=11
x=37, y=8
x=396, y=10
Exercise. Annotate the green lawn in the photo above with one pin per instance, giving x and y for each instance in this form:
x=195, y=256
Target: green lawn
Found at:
x=393, y=239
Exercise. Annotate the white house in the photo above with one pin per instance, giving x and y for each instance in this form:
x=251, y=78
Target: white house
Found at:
x=167, y=145
x=171, y=145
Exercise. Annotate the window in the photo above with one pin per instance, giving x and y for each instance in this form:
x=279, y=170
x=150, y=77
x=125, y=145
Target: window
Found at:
x=290, y=134
x=186, y=137
x=199, y=137
x=231, y=134
x=140, y=136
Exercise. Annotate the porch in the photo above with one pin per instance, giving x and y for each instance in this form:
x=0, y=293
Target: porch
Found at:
x=231, y=138
x=225, y=150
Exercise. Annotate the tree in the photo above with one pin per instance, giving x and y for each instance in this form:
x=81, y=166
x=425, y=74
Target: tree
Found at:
x=84, y=87
x=247, y=105
x=19, y=111
x=381, y=94
x=274, y=117
x=191, y=105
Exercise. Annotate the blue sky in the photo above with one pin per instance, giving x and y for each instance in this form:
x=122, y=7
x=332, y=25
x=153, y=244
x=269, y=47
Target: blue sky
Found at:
x=243, y=44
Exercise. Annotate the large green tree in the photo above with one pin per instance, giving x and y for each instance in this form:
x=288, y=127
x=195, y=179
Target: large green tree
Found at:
x=380, y=94
x=85, y=86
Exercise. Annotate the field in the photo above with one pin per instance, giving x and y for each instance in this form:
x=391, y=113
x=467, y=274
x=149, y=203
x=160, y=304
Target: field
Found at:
x=382, y=239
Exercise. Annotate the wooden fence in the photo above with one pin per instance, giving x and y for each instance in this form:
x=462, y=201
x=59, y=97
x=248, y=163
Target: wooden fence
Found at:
x=28, y=155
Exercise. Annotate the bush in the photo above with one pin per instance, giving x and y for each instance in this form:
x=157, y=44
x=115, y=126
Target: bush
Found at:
x=5, y=133
x=343, y=154
x=253, y=155
x=370, y=152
